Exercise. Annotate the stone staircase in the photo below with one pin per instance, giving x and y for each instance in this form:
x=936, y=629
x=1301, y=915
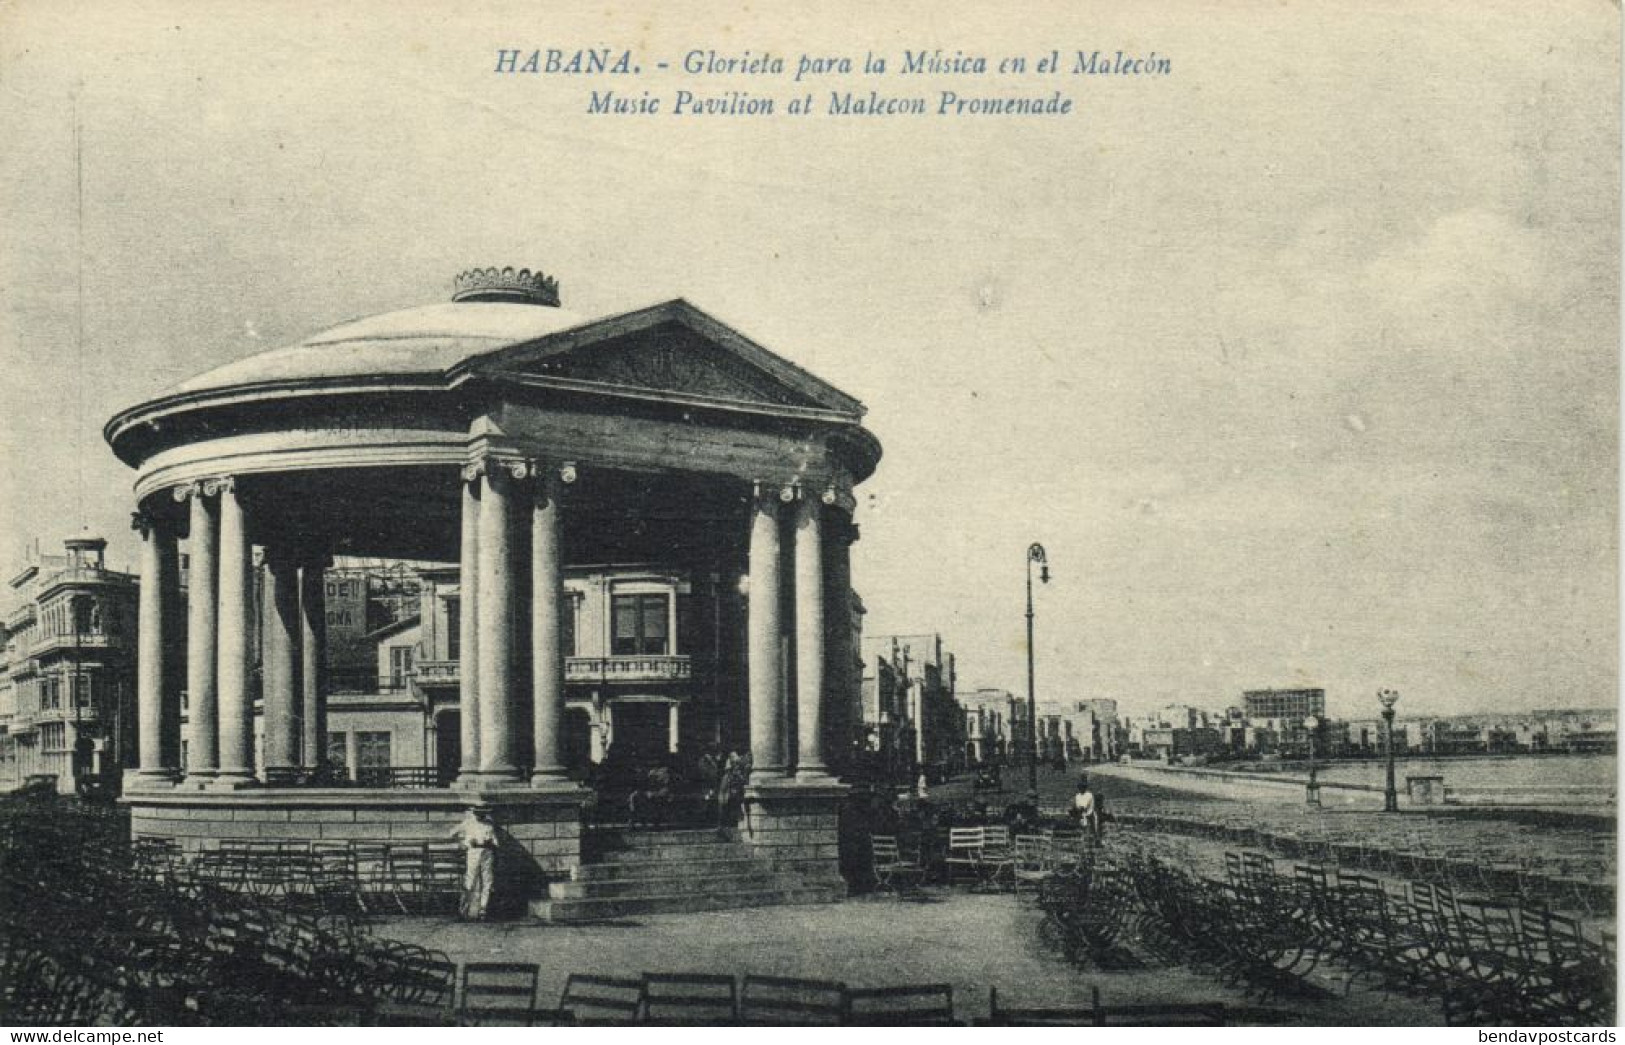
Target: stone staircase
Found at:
x=625, y=873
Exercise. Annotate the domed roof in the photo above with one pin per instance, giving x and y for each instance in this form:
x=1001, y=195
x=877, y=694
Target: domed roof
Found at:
x=427, y=339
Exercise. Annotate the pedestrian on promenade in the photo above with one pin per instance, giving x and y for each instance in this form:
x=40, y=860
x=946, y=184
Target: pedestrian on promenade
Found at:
x=479, y=836
x=1084, y=809
x=730, y=792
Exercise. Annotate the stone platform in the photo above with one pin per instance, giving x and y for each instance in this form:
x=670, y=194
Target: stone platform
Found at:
x=546, y=824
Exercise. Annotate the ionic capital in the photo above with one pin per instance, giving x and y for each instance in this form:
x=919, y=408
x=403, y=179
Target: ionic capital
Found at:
x=144, y=522
x=770, y=494
x=220, y=484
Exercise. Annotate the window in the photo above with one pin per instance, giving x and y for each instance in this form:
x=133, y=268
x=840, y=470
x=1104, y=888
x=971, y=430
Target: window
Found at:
x=454, y=629
x=400, y=667
x=639, y=623
x=337, y=753
x=567, y=624
x=372, y=750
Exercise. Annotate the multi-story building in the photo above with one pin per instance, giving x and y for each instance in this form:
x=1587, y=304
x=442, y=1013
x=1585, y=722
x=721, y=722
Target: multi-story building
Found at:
x=1104, y=726
x=933, y=723
x=67, y=681
x=1288, y=704
x=987, y=725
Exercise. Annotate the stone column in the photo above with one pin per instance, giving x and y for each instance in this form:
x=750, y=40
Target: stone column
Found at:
x=765, y=663
x=313, y=663
x=810, y=679
x=158, y=720
x=203, y=713
x=468, y=632
x=843, y=687
x=546, y=651
x=280, y=669
x=235, y=655
x=673, y=730
x=498, y=747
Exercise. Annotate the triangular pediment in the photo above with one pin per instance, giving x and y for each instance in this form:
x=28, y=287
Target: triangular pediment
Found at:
x=670, y=351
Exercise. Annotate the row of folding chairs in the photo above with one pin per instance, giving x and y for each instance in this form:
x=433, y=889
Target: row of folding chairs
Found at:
x=1157, y=1014
x=505, y=993
x=1513, y=963
x=1503, y=863
x=341, y=875
x=434, y=991
x=987, y=856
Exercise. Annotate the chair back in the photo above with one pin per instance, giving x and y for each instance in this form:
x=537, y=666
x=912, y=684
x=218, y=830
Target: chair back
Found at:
x=415, y=987
x=499, y=992
x=1172, y=1014
x=1048, y=1016
x=927, y=1005
x=701, y=999
x=884, y=848
x=591, y=999
x=780, y=1001
x=966, y=838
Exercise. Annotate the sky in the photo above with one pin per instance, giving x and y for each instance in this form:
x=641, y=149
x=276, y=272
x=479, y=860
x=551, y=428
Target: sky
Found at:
x=1301, y=361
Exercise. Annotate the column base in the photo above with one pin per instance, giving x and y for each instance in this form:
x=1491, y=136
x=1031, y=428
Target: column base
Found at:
x=796, y=826
x=552, y=780
x=771, y=776
x=816, y=776
x=151, y=779
x=479, y=779
x=197, y=780
x=283, y=776
x=232, y=781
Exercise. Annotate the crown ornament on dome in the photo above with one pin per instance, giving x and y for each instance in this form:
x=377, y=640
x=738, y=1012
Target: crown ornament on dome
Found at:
x=523, y=286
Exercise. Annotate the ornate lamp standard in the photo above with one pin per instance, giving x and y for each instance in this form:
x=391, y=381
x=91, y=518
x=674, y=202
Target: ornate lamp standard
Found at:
x=1035, y=553
x=1311, y=725
x=1390, y=796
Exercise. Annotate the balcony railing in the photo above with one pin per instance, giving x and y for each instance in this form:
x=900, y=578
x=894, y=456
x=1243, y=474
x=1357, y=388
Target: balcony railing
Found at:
x=85, y=641
x=668, y=668
x=340, y=682
x=672, y=668
x=439, y=672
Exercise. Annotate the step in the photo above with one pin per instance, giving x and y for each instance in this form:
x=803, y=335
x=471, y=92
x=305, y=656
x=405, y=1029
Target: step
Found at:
x=614, y=869
x=603, y=908
x=621, y=838
x=672, y=853
x=761, y=877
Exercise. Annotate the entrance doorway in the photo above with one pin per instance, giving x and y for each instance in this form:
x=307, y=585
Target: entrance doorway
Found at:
x=448, y=746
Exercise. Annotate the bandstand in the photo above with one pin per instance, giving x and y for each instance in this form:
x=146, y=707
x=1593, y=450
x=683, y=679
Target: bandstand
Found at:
x=517, y=444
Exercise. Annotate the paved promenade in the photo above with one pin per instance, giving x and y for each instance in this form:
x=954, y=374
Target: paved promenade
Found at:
x=970, y=940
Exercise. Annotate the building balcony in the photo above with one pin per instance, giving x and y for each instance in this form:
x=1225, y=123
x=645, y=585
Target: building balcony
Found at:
x=662, y=668
x=70, y=643
x=438, y=672
x=651, y=668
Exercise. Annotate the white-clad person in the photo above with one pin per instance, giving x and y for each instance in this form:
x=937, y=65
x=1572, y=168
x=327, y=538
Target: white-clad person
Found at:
x=479, y=836
x=1085, y=809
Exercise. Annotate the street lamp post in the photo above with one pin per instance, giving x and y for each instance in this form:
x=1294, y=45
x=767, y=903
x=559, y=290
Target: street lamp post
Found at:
x=1035, y=553
x=1390, y=795
x=1311, y=725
